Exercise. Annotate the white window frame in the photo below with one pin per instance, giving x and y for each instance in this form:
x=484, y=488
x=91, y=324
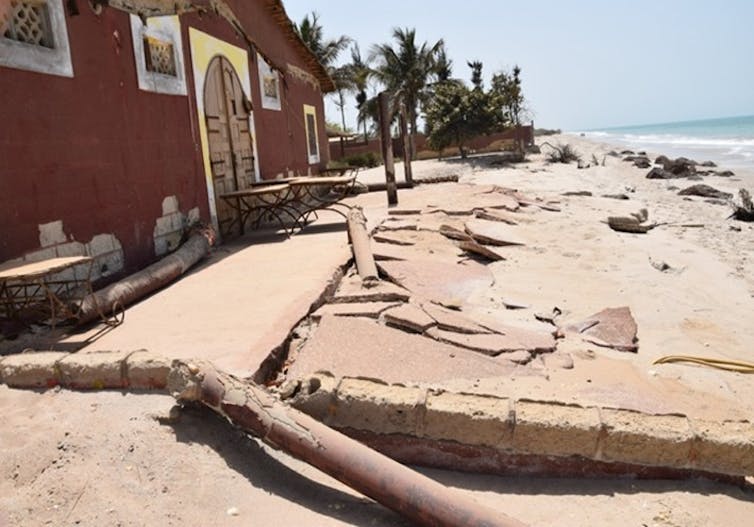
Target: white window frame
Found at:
x=311, y=110
x=264, y=69
x=30, y=57
x=167, y=29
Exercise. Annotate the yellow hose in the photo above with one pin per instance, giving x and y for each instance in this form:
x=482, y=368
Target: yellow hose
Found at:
x=720, y=364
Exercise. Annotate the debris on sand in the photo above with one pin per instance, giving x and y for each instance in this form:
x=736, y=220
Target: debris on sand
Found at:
x=635, y=223
x=705, y=191
x=610, y=328
x=744, y=210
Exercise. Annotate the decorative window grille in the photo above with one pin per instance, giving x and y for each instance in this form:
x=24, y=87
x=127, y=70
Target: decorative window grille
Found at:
x=27, y=21
x=159, y=56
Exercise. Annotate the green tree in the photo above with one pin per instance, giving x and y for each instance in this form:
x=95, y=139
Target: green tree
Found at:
x=508, y=96
x=406, y=69
x=327, y=51
x=454, y=113
x=359, y=74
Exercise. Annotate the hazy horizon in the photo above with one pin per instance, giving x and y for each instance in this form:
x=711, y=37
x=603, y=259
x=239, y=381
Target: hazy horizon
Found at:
x=585, y=65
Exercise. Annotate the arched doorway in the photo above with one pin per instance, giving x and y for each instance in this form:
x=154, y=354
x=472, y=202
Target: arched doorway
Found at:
x=231, y=151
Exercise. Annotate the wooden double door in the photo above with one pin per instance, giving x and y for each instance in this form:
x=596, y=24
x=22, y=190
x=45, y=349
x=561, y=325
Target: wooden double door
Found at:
x=231, y=147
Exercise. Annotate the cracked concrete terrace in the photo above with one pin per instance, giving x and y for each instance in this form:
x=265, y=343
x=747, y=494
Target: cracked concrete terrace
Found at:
x=421, y=331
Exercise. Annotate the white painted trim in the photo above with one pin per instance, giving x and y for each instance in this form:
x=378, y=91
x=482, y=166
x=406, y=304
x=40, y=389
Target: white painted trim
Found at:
x=311, y=110
x=168, y=29
x=53, y=61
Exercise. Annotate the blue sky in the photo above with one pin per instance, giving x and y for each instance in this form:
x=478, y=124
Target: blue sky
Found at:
x=586, y=63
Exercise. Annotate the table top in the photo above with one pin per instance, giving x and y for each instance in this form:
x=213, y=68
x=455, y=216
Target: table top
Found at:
x=29, y=270
x=256, y=191
x=328, y=180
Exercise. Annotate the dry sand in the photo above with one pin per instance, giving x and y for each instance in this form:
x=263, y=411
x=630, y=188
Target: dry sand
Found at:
x=103, y=459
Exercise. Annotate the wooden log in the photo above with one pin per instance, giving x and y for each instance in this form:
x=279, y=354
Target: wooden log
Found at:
x=395, y=486
x=138, y=285
x=360, y=245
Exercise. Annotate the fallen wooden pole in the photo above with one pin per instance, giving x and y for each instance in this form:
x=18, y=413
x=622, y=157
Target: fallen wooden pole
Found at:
x=395, y=486
x=138, y=285
x=362, y=252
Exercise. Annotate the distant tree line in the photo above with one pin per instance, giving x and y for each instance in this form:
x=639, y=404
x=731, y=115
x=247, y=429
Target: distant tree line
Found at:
x=419, y=76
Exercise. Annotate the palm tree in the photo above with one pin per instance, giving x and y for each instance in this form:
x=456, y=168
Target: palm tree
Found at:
x=407, y=69
x=359, y=73
x=326, y=51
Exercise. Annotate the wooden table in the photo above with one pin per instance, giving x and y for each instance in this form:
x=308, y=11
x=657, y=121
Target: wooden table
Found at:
x=42, y=285
x=273, y=199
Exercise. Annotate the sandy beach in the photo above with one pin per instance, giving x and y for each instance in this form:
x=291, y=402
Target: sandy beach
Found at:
x=689, y=284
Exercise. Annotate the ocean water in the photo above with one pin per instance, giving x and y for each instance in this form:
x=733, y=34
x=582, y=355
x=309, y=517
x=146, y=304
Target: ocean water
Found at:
x=728, y=141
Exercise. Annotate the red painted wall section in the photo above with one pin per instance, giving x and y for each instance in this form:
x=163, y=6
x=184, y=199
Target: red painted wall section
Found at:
x=93, y=150
x=101, y=155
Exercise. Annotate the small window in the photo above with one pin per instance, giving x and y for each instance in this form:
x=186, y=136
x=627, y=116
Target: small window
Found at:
x=312, y=141
x=34, y=37
x=270, y=85
x=28, y=22
x=159, y=56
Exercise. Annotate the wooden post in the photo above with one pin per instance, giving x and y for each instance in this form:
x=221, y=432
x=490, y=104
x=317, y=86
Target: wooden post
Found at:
x=387, y=148
x=407, y=154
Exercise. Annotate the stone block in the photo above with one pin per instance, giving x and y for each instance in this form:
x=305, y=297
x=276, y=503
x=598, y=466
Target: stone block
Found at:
x=316, y=396
x=31, y=370
x=556, y=429
x=51, y=233
x=380, y=408
x=468, y=419
x=96, y=370
x=169, y=205
x=409, y=317
x=645, y=439
x=147, y=371
x=101, y=244
x=725, y=447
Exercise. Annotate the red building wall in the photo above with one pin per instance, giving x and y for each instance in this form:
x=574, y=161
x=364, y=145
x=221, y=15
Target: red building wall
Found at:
x=99, y=154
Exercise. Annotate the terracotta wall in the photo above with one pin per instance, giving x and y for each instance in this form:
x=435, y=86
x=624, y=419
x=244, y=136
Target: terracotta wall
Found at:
x=359, y=146
x=101, y=155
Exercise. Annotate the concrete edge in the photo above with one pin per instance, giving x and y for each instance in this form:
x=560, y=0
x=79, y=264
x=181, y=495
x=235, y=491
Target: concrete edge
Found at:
x=531, y=427
x=102, y=370
x=522, y=427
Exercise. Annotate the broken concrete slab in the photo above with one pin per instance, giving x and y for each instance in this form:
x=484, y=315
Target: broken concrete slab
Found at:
x=393, y=224
x=610, y=328
x=351, y=290
x=391, y=237
x=354, y=309
x=363, y=348
x=409, y=317
x=483, y=251
x=494, y=233
x=496, y=215
x=437, y=280
x=514, y=339
x=453, y=233
x=452, y=320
